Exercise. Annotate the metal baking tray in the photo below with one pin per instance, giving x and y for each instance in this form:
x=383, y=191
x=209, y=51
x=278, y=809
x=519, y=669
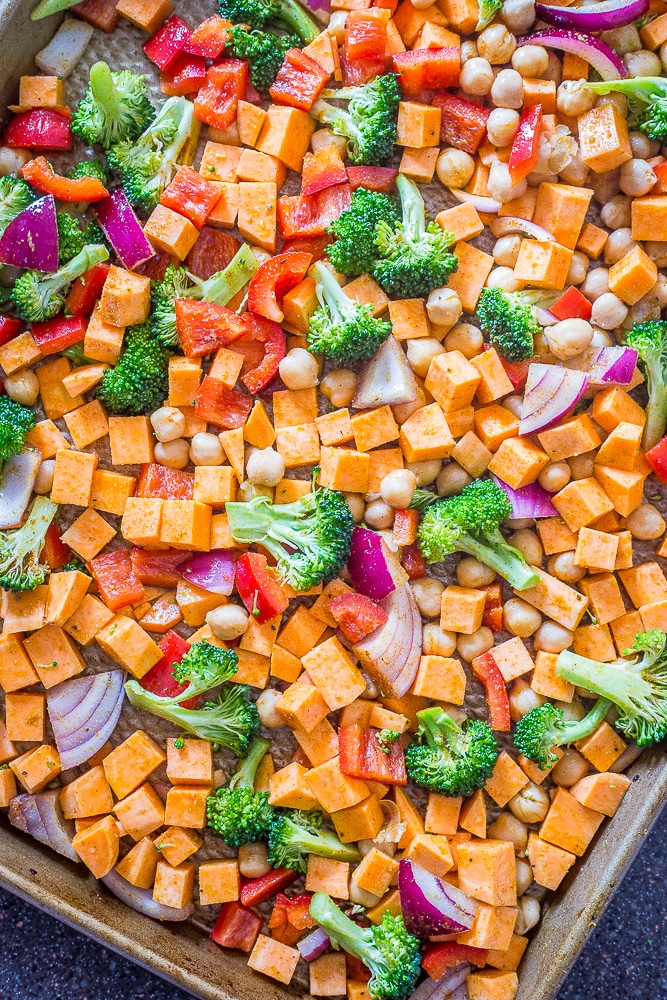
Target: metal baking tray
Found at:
x=181, y=953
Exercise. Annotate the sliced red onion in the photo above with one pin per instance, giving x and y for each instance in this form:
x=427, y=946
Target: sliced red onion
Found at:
x=142, y=900
x=390, y=655
x=16, y=486
x=529, y=501
x=314, y=945
x=451, y=986
x=374, y=569
x=482, y=204
x=431, y=906
x=544, y=317
x=387, y=379
x=212, y=571
x=24, y=815
x=513, y=224
x=83, y=713
x=41, y=817
x=593, y=50
x=606, y=365
x=603, y=16
x=551, y=393
x=31, y=238
x=123, y=230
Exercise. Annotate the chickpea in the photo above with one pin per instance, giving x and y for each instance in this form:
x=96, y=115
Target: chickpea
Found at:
x=528, y=915
x=444, y=308
x=437, y=641
x=476, y=77
x=519, y=523
x=500, y=184
x=172, y=454
x=269, y=715
x=616, y=213
x=569, y=337
x=596, y=283
x=552, y=638
x=514, y=404
x=253, y=860
x=507, y=90
x=466, y=338
x=637, y=178
x=205, y=449
x=570, y=768
x=299, y=369
x=470, y=572
x=357, y=506
x=496, y=44
x=619, y=101
x=531, y=804
x=518, y=15
x=563, y=568
x=428, y=595
x=520, y=618
x=508, y=827
x=426, y=472
x=265, y=467
x=645, y=523
x=530, y=60
x=576, y=171
x=501, y=126
x=44, y=479
x=554, y=476
x=452, y=480
x=421, y=352
x=524, y=875
x=573, y=99
x=573, y=711
x=247, y=491
x=398, y=487
x=12, y=159
x=578, y=269
x=379, y=514
x=168, y=423
x=468, y=51
x=454, y=167
x=663, y=55
x=325, y=137
x=601, y=339
x=506, y=251
x=582, y=466
x=22, y=387
x=527, y=542
x=470, y=646
x=608, y=312
x=504, y=278
x=229, y=621
x=336, y=26
x=362, y=897
x=523, y=699
x=642, y=63
x=623, y=40
x=618, y=244
x=339, y=387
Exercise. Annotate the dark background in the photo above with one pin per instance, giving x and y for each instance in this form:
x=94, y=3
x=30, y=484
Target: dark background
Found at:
x=625, y=959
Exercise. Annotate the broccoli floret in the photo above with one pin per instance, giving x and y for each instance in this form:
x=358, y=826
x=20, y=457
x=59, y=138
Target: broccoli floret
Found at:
x=147, y=164
x=258, y=14
x=340, y=328
x=139, y=382
x=416, y=256
x=317, y=530
x=487, y=10
x=39, y=297
x=451, y=759
x=20, y=568
x=231, y=721
x=90, y=168
x=76, y=564
x=638, y=688
x=647, y=102
x=295, y=834
x=650, y=341
x=391, y=954
x=71, y=237
x=369, y=121
x=16, y=422
x=354, y=251
x=15, y=195
x=238, y=813
x=115, y=107
x=544, y=727
x=263, y=51
x=508, y=320
x=470, y=523
x=47, y=7
x=204, y=667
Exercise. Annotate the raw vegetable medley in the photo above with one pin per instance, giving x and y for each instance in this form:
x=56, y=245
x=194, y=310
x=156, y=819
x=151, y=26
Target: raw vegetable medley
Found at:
x=342, y=423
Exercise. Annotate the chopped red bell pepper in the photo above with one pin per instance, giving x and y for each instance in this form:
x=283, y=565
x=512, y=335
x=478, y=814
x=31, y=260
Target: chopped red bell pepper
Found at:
x=272, y=337
x=39, y=129
x=216, y=404
x=299, y=82
x=355, y=969
x=526, y=146
x=41, y=175
x=290, y=918
x=356, y=615
x=190, y=195
x=463, y=124
x=439, y=958
x=428, y=69
x=252, y=96
x=380, y=179
x=493, y=608
x=365, y=34
x=212, y=252
x=406, y=522
x=660, y=171
x=314, y=245
x=115, y=579
x=165, y=484
x=186, y=75
x=101, y=14
x=517, y=372
x=157, y=568
x=58, y=334
x=364, y=756
x=258, y=589
x=55, y=553
x=203, y=327
x=86, y=290
x=486, y=671
x=9, y=328
x=237, y=927
x=322, y=169
x=208, y=40
x=156, y=266
x=217, y=101
x=164, y=47
x=273, y=280
x=357, y=72
x=572, y=305
x=413, y=562
x=311, y=215
x=258, y=890
x=160, y=678
x=657, y=459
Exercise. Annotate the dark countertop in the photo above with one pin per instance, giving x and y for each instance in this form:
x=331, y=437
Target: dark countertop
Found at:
x=625, y=959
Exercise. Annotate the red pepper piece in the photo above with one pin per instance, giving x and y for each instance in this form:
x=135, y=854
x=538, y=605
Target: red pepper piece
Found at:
x=168, y=42
x=41, y=175
x=260, y=592
x=160, y=678
x=237, y=927
x=290, y=918
x=209, y=39
x=322, y=169
x=115, y=579
x=372, y=178
x=186, y=75
x=101, y=14
x=314, y=245
x=357, y=72
x=58, y=334
x=463, y=124
x=311, y=215
x=525, y=148
x=365, y=34
x=39, y=129
x=572, y=305
x=9, y=328
x=441, y=957
x=157, y=569
x=363, y=756
x=299, y=82
x=355, y=969
x=217, y=101
x=156, y=266
x=190, y=195
x=657, y=459
x=493, y=608
x=486, y=671
x=273, y=280
x=203, y=327
x=216, y=404
x=54, y=553
x=517, y=372
x=258, y=890
x=389, y=5
x=272, y=337
x=413, y=562
x=406, y=522
x=427, y=69
x=86, y=290
x=165, y=484
x=212, y=252
x=356, y=616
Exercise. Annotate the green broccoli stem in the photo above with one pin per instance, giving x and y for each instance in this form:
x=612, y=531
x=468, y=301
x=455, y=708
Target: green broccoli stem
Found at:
x=244, y=777
x=498, y=554
x=330, y=295
x=296, y=18
x=570, y=732
x=104, y=89
x=225, y=284
x=42, y=513
x=656, y=410
x=437, y=726
x=414, y=210
x=623, y=685
x=351, y=937
x=326, y=845
x=48, y=7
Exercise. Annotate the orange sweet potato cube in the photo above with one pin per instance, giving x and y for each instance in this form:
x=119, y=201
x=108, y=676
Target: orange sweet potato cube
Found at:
x=189, y=762
x=452, y=380
x=372, y=428
x=494, y=984
x=288, y=788
x=16, y=669
x=603, y=747
x=604, y=596
x=543, y=265
x=569, y=824
x=581, y=502
x=141, y=812
x=441, y=678
x=125, y=299
x=604, y=139
x=219, y=882
x=602, y=792
x=431, y=852
x=494, y=424
x=518, y=462
x=345, y=470
x=493, y=927
x=25, y=716
x=462, y=609
x=132, y=762
x=506, y=781
x=274, y=959
x=359, y=822
x=573, y=436
x=487, y=871
x=550, y=864
x=334, y=790
x=36, y=768
x=425, y=435
x=171, y=232
x=174, y=886
x=612, y=406
x=326, y=875
x=545, y=681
